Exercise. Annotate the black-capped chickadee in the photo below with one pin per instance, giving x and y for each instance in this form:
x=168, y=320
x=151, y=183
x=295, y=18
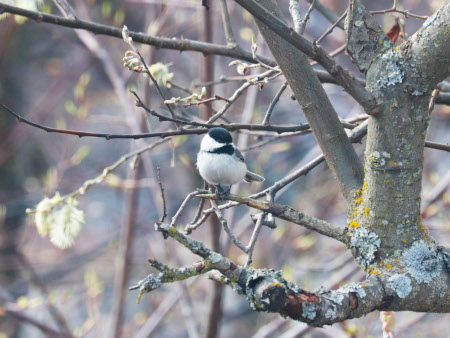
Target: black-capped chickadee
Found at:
x=221, y=164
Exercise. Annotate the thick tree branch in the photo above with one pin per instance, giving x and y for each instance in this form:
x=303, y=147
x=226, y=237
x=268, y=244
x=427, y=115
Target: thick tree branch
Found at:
x=266, y=290
x=335, y=145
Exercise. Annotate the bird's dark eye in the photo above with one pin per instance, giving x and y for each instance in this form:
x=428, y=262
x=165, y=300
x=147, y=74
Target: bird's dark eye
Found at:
x=221, y=135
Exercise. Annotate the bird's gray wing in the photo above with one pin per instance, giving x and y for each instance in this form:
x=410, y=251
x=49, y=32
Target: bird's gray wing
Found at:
x=239, y=154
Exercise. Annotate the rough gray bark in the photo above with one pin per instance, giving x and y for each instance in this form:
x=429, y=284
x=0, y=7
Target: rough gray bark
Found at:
x=389, y=203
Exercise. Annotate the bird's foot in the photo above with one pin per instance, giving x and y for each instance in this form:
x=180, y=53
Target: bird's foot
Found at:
x=221, y=193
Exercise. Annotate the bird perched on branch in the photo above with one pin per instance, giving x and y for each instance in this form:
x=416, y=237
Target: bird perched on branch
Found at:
x=221, y=164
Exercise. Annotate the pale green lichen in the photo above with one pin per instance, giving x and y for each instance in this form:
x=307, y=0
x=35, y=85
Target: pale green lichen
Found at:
x=309, y=310
x=330, y=314
x=367, y=244
x=393, y=72
x=422, y=261
x=401, y=284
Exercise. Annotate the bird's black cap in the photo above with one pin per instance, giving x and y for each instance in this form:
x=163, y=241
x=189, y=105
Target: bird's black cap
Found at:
x=220, y=135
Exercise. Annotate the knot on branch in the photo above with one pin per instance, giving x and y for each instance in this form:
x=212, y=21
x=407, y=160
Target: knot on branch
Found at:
x=268, y=291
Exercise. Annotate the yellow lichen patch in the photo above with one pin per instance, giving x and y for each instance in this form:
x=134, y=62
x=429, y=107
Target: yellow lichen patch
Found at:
x=359, y=200
x=354, y=224
x=355, y=211
x=358, y=192
x=364, y=187
x=392, y=163
x=404, y=240
x=387, y=181
x=276, y=284
x=389, y=266
x=373, y=272
x=366, y=212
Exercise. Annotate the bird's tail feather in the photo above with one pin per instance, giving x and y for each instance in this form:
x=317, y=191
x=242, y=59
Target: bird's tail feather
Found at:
x=252, y=177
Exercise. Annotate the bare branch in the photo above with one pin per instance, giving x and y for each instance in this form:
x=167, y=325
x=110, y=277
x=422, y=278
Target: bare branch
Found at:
x=159, y=42
x=251, y=245
x=329, y=30
x=106, y=171
x=224, y=223
x=163, y=197
x=266, y=290
x=184, y=204
x=306, y=18
x=266, y=119
x=439, y=146
x=227, y=27
x=294, y=9
x=165, y=134
x=327, y=13
x=288, y=214
x=395, y=10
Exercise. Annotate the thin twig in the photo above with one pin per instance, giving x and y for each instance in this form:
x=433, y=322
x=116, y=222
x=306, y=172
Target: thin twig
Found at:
x=327, y=13
x=174, y=85
x=284, y=212
x=169, y=133
x=215, y=98
x=225, y=226
x=180, y=44
x=266, y=119
x=227, y=26
x=163, y=197
x=235, y=96
x=306, y=18
x=106, y=171
x=329, y=30
x=251, y=245
x=155, y=83
x=184, y=204
x=405, y=13
x=189, y=228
